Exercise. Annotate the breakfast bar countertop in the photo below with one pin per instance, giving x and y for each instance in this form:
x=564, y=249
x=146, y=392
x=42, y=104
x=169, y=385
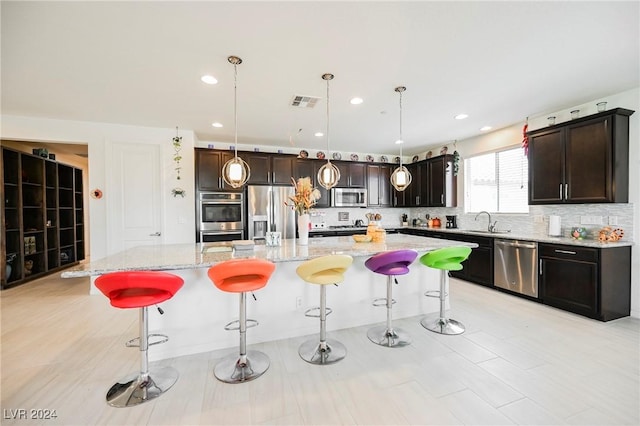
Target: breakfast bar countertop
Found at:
x=189, y=256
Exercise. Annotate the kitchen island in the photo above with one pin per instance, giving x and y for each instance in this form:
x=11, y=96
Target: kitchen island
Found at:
x=195, y=317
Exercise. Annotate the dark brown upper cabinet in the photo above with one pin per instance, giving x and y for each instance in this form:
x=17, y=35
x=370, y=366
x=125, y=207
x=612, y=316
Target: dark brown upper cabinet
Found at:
x=585, y=160
x=209, y=164
x=441, y=182
x=379, y=185
x=352, y=174
x=269, y=169
x=303, y=167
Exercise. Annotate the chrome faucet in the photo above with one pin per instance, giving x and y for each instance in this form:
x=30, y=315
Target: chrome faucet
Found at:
x=491, y=227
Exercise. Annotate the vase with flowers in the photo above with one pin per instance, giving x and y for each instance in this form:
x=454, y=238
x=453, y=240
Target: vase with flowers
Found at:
x=305, y=197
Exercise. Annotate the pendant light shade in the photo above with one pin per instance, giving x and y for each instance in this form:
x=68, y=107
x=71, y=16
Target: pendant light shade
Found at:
x=236, y=171
x=401, y=177
x=328, y=175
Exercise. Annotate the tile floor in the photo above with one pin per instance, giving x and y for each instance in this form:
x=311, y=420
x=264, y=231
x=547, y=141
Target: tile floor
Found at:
x=519, y=362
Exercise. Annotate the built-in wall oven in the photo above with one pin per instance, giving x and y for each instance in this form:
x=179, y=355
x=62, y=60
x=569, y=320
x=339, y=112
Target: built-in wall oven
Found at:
x=220, y=216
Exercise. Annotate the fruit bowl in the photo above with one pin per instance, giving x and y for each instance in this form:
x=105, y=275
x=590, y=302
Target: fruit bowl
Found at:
x=362, y=238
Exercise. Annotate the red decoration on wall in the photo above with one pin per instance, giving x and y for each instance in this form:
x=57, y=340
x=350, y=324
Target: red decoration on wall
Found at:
x=96, y=193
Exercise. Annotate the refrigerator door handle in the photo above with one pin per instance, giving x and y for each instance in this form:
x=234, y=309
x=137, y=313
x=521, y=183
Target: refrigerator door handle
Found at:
x=272, y=213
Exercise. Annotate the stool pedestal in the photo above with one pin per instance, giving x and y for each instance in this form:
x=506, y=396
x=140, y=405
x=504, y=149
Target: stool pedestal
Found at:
x=386, y=335
x=148, y=384
x=326, y=351
x=246, y=366
x=441, y=324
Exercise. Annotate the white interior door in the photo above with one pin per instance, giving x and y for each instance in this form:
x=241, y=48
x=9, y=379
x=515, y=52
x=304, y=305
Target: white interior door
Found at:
x=135, y=208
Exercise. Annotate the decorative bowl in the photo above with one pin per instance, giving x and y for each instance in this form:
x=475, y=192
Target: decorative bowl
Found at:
x=359, y=238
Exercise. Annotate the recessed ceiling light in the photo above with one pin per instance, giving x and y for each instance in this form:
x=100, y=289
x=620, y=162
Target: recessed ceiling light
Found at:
x=209, y=79
x=356, y=101
x=399, y=141
x=318, y=134
x=485, y=128
x=461, y=116
x=216, y=124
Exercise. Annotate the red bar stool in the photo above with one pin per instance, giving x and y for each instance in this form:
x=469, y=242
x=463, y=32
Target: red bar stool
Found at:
x=445, y=259
x=390, y=263
x=140, y=289
x=241, y=276
x=323, y=270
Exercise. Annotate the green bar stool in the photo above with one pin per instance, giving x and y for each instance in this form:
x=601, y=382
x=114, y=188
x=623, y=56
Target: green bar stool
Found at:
x=446, y=259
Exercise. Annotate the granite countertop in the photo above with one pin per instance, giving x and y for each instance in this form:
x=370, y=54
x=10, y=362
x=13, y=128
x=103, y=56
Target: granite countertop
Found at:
x=511, y=235
x=516, y=235
x=190, y=256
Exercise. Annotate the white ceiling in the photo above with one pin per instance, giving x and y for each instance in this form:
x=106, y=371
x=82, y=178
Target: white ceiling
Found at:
x=140, y=63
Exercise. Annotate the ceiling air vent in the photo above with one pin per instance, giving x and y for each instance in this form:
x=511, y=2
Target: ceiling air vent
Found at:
x=300, y=101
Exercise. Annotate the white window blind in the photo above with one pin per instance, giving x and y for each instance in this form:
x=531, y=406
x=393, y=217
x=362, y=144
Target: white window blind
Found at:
x=497, y=182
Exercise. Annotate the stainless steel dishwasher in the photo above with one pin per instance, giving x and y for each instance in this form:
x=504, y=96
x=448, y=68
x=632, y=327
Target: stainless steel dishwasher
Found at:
x=515, y=266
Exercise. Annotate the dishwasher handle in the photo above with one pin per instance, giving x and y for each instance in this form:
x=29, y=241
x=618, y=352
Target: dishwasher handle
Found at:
x=515, y=244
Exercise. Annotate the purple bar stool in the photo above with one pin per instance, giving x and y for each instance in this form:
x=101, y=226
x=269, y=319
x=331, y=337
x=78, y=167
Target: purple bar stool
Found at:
x=390, y=263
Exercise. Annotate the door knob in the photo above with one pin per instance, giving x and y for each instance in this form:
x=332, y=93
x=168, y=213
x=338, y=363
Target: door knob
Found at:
x=157, y=234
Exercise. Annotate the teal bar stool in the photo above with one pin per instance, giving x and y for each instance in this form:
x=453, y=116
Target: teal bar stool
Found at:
x=445, y=259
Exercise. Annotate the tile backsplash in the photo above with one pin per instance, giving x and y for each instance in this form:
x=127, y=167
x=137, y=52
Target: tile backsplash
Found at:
x=536, y=222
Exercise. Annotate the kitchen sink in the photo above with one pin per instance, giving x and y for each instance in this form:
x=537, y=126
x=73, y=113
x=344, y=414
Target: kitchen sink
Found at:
x=480, y=231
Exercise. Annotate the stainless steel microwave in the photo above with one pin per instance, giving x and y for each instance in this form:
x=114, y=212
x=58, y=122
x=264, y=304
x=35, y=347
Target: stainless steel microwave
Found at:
x=348, y=197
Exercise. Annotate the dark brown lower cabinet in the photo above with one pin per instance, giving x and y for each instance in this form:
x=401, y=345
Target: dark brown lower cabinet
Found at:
x=588, y=281
x=478, y=268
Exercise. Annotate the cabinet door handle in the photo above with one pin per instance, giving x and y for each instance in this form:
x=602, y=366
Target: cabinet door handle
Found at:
x=417, y=199
x=441, y=198
x=155, y=234
x=566, y=191
x=560, y=191
x=565, y=251
x=540, y=267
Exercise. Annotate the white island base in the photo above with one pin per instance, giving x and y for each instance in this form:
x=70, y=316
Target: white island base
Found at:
x=194, y=319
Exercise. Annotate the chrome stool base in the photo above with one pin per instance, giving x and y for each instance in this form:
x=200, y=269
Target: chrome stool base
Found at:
x=233, y=369
x=313, y=352
x=443, y=326
x=134, y=390
x=396, y=338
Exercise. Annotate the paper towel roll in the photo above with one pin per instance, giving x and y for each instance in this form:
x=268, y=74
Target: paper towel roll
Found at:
x=554, y=226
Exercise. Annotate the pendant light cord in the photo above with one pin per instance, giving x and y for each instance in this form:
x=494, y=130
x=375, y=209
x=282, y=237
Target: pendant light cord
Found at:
x=402, y=140
x=235, y=108
x=328, y=77
x=328, y=151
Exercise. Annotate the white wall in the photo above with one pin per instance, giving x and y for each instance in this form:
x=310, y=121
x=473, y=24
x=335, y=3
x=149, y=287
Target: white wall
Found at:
x=178, y=213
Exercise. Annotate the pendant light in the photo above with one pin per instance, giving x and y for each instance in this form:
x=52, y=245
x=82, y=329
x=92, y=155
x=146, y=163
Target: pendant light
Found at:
x=235, y=172
x=328, y=175
x=400, y=178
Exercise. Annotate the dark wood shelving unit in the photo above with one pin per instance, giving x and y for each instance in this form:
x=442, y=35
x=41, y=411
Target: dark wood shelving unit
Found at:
x=42, y=217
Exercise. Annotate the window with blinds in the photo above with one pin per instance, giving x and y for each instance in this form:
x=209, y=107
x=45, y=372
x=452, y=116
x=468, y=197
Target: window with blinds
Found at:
x=497, y=182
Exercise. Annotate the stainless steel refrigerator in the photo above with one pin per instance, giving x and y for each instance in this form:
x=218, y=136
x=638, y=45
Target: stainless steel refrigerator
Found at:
x=267, y=212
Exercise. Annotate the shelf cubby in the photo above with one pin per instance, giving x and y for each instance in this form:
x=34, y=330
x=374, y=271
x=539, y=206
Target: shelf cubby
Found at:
x=42, y=208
